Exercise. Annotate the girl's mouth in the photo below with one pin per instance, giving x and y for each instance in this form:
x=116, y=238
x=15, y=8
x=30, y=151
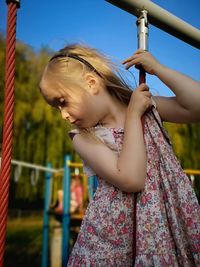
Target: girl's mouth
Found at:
x=76, y=122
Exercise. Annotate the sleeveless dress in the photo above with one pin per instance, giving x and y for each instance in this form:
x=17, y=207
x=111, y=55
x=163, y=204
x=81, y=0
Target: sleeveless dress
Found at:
x=168, y=213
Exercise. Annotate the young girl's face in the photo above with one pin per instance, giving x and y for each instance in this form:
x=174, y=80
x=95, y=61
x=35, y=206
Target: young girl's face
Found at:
x=76, y=104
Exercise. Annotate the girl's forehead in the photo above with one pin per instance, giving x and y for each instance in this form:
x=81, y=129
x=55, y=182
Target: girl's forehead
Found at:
x=53, y=89
x=51, y=86
x=56, y=83
x=50, y=92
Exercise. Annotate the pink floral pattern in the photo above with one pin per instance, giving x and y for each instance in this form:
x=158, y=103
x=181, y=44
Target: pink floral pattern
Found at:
x=168, y=213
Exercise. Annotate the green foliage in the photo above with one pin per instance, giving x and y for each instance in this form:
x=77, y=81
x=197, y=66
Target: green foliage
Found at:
x=185, y=141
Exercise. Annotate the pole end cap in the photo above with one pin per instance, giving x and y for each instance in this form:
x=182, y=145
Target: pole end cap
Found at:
x=17, y=2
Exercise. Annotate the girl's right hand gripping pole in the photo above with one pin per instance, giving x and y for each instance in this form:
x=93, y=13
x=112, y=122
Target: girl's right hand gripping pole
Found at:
x=142, y=34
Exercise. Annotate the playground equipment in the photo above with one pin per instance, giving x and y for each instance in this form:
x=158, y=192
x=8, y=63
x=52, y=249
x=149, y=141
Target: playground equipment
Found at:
x=8, y=121
x=162, y=19
x=66, y=215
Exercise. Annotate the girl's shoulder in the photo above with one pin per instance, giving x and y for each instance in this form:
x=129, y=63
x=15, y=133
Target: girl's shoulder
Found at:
x=100, y=133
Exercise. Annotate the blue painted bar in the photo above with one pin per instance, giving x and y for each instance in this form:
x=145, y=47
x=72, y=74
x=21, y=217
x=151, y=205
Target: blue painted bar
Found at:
x=66, y=212
x=93, y=183
x=47, y=198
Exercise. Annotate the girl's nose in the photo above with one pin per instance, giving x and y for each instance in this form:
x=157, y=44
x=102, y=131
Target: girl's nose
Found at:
x=64, y=114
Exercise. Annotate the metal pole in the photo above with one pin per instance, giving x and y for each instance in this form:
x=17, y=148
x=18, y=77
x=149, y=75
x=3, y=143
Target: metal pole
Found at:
x=95, y=183
x=47, y=198
x=35, y=166
x=142, y=30
x=162, y=19
x=142, y=33
x=66, y=212
x=92, y=186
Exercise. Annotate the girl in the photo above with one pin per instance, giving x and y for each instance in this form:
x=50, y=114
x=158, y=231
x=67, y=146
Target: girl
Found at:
x=128, y=155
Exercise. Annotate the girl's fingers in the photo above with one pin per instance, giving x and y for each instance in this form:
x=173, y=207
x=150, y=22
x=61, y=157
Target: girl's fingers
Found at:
x=128, y=60
x=131, y=62
x=147, y=94
x=139, y=51
x=143, y=87
x=134, y=56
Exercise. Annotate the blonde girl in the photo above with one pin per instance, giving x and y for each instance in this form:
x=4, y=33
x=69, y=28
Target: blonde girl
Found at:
x=120, y=137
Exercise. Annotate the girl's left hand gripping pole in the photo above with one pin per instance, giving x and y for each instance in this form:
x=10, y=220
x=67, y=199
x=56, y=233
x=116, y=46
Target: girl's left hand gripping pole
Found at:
x=142, y=32
x=8, y=120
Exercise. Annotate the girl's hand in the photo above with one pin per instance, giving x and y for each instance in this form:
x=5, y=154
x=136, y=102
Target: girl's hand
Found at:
x=140, y=101
x=144, y=58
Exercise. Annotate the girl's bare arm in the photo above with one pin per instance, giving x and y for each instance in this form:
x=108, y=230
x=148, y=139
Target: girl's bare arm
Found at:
x=185, y=106
x=128, y=171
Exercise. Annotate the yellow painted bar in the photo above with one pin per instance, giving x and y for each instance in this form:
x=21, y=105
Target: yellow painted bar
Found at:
x=74, y=164
x=190, y=171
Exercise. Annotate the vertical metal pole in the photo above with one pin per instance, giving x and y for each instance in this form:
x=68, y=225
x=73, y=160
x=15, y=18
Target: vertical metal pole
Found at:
x=92, y=184
x=95, y=183
x=47, y=198
x=142, y=31
x=90, y=187
x=66, y=212
x=142, y=34
x=142, y=26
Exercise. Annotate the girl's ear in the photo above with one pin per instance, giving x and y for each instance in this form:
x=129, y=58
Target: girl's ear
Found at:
x=92, y=83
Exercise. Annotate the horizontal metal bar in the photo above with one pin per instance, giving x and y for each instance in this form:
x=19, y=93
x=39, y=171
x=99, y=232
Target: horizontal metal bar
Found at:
x=74, y=164
x=34, y=166
x=162, y=19
x=189, y=171
x=70, y=164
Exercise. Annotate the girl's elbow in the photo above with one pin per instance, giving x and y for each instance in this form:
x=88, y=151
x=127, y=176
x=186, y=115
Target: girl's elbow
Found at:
x=133, y=185
x=137, y=187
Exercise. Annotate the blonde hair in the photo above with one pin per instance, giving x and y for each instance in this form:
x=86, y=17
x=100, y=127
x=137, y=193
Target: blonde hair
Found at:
x=71, y=62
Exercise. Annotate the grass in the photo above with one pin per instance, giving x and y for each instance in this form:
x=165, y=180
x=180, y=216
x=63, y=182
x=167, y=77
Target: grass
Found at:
x=23, y=242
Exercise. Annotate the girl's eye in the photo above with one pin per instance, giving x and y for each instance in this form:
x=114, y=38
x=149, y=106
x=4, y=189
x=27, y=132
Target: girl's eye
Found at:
x=62, y=101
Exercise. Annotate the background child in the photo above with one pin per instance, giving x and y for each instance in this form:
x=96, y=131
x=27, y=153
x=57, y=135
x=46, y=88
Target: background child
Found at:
x=76, y=202
x=127, y=156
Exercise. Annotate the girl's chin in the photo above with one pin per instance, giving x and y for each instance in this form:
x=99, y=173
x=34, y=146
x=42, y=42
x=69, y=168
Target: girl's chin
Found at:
x=83, y=125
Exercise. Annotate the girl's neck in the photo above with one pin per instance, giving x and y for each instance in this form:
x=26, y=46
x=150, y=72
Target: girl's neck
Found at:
x=115, y=115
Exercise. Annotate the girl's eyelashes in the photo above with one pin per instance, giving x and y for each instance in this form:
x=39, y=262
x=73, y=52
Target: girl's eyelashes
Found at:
x=62, y=102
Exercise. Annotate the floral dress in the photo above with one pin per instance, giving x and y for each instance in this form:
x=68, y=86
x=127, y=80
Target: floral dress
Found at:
x=167, y=211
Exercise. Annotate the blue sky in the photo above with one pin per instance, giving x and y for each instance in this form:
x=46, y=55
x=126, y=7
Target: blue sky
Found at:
x=111, y=30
